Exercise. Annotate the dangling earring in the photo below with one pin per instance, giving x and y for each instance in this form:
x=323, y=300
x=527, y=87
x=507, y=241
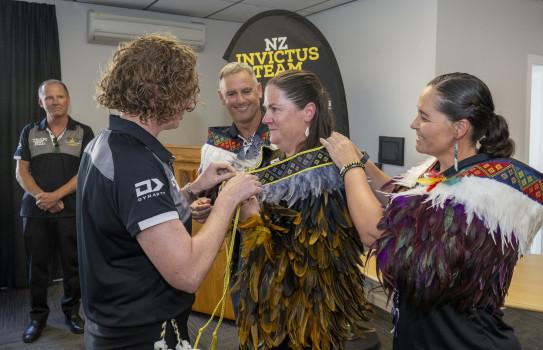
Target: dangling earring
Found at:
x=307, y=131
x=456, y=156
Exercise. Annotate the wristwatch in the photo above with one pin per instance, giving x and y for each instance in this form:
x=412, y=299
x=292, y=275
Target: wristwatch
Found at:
x=192, y=195
x=365, y=157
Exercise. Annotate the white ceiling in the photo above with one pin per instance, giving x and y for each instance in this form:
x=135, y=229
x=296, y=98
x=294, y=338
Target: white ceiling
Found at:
x=225, y=10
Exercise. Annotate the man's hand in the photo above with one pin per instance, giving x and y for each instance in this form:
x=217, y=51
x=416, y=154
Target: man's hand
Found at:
x=47, y=200
x=200, y=209
x=57, y=208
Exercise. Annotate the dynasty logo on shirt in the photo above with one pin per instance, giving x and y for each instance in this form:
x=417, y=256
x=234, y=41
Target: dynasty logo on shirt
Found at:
x=148, y=189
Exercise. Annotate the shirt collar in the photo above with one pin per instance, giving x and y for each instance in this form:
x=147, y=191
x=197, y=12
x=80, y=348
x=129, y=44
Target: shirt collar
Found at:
x=70, y=126
x=234, y=133
x=478, y=158
x=118, y=124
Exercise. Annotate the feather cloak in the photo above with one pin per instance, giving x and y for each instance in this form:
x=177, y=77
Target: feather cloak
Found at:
x=457, y=242
x=300, y=277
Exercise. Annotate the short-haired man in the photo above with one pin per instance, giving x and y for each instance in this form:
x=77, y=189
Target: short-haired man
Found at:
x=240, y=143
x=48, y=158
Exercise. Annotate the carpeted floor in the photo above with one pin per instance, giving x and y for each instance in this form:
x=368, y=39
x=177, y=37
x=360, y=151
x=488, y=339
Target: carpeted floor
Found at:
x=14, y=320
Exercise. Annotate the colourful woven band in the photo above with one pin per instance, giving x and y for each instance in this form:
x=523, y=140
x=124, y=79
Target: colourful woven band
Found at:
x=303, y=161
x=223, y=140
x=512, y=173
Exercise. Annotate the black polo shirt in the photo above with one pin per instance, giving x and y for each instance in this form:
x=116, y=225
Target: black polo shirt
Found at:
x=52, y=164
x=125, y=185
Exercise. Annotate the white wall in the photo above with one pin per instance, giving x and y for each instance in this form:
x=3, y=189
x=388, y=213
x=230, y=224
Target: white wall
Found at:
x=492, y=40
x=81, y=62
x=386, y=53
x=387, y=50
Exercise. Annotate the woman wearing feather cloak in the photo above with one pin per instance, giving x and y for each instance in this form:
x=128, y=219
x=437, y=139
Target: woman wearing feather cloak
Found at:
x=455, y=226
x=300, y=281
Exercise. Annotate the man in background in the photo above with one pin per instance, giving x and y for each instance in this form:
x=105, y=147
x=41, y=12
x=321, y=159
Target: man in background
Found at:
x=240, y=143
x=48, y=158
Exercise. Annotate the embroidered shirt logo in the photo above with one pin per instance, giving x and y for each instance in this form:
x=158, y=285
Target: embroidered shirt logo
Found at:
x=73, y=141
x=39, y=141
x=145, y=189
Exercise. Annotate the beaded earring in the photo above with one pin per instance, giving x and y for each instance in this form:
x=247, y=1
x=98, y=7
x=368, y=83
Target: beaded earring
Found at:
x=456, y=156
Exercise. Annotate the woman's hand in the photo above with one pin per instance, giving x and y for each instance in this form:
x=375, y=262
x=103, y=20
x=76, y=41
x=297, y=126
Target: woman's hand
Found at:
x=240, y=188
x=341, y=149
x=214, y=174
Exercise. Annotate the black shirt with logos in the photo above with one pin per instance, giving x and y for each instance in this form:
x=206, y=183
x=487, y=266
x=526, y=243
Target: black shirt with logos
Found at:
x=53, y=162
x=126, y=184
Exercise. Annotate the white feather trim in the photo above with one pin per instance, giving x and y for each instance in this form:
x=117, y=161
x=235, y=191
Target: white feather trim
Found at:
x=408, y=179
x=496, y=204
x=216, y=154
x=160, y=345
x=184, y=346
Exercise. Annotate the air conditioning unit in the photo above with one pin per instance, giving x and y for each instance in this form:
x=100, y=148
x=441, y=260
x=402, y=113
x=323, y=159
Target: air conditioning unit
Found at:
x=112, y=29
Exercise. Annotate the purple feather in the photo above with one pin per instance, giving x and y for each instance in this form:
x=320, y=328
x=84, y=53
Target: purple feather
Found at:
x=463, y=266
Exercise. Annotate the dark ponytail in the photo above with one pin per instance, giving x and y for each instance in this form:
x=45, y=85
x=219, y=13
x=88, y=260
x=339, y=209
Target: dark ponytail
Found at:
x=464, y=96
x=496, y=141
